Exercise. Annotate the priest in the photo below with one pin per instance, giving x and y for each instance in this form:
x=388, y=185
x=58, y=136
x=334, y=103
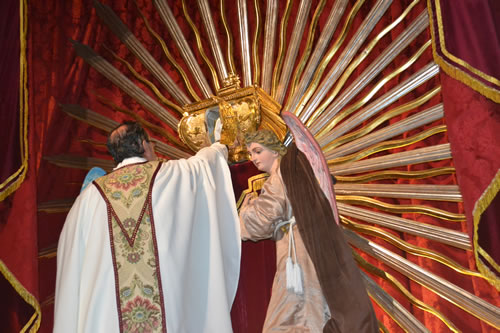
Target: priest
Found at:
x=152, y=246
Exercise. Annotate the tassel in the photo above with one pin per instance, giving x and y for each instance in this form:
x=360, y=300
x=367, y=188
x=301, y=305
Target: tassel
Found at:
x=297, y=272
x=293, y=270
x=290, y=274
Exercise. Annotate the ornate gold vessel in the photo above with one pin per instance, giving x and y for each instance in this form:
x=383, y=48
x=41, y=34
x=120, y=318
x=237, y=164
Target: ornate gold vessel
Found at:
x=241, y=110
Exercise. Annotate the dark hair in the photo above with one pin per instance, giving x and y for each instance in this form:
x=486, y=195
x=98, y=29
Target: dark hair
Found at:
x=126, y=143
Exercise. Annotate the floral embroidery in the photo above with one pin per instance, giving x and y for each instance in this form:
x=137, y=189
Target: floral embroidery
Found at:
x=126, y=178
x=152, y=262
x=129, y=223
x=140, y=316
x=125, y=292
x=133, y=258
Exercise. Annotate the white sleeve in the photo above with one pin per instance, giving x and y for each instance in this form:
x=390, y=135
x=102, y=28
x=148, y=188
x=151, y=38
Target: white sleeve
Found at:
x=210, y=152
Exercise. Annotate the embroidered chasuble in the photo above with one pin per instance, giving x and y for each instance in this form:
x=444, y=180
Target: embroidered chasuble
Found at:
x=127, y=192
x=151, y=246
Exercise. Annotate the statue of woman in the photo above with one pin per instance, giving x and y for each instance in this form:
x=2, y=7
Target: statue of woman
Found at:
x=305, y=296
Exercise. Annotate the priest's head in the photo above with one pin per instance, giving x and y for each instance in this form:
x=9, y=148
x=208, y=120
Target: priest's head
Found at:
x=129, y=139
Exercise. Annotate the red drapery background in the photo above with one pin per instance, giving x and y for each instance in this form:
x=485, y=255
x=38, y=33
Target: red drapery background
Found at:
x=56, y=75
x=466, y=44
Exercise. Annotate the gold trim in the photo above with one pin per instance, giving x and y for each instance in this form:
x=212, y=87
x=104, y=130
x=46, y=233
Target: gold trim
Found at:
x=355, y=63
x=485, y=254
x=172, y=61
x=399, y=287
x=479, y=208
x=255, y=51
x=356, y=106
x=227, y=96
x=395, y=174
x=12, y=183
x=461, y=62
x=386, y=116
x=36, y=318
x=308, y=48
x=254, y=184
x=229, y=36
x=400, y=209
x=387, y=145
x=454, y=71
x=200, y=47
x=281, y=51
x=318, y=74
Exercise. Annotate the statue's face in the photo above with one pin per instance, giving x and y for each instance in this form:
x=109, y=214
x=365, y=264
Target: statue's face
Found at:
x=263, y=158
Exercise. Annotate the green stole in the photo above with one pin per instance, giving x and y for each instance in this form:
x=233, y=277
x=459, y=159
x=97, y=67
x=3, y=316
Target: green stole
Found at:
x=127, y=192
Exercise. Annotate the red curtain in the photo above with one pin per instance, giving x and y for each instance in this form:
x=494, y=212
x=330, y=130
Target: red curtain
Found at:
x=466, y=43
x=19, y=307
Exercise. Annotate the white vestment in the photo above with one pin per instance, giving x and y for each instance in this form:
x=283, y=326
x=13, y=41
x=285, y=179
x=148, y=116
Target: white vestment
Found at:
x=199, y=247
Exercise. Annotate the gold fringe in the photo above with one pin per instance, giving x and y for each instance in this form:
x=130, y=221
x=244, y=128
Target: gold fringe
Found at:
x=453, y=71
x=479, y=207
x=12, y=184
x=36, y=318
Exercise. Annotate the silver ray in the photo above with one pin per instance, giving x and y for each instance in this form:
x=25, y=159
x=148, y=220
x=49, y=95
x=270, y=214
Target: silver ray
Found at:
x=424, y=74
x=269, y=45
x=185, y=50
x=107, y=70
x=454, y=294
x=421, y=155
x=106, y=124
x=398, y=312
x=244, y=42
x=447, y=236
x=326, y=35
x=402, y=191
x=381, y=62
x=422, y=118
x=311, y=103
x=133, y=44
x=208, y=22
x=293, y=48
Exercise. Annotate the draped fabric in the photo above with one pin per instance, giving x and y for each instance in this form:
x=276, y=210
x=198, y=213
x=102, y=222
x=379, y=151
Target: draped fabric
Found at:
x=474, y=131
x=19, y=308
x=258, y=266
x=466, y=41
x=338, y=274
x=57, y=75
x=14, y=111
x=466, y=45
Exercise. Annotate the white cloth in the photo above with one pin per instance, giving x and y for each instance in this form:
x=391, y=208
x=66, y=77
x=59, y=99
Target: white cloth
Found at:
x=199, y=249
